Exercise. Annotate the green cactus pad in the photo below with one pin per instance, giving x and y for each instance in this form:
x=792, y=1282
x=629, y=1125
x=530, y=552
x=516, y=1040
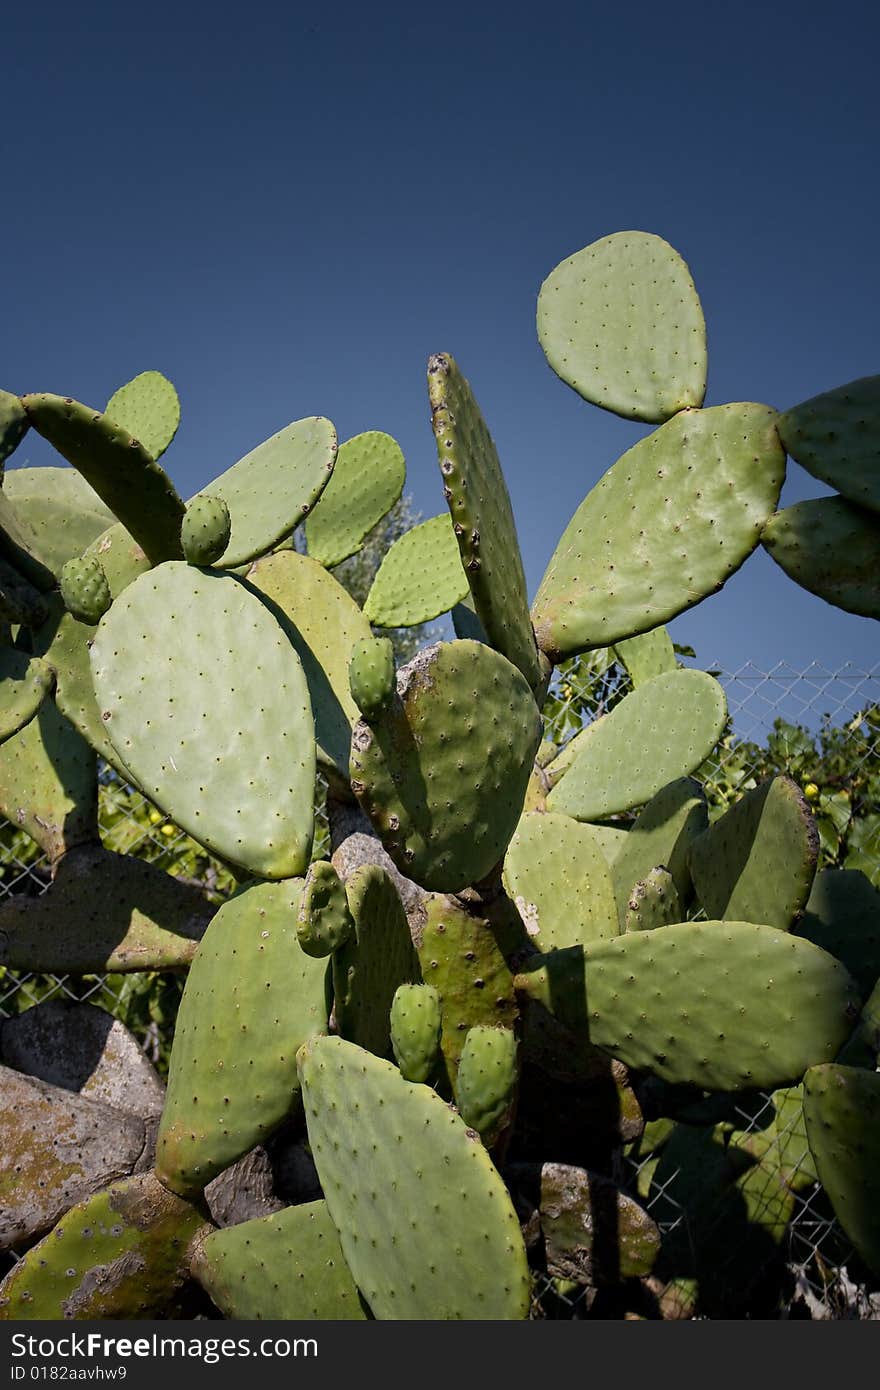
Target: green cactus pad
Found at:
x=148, y=408
x=834, y=436
x=665, y=526
x=485, y=1084
x=842, y=1113
x=621, y=323
x=121, y=470
x=662, y=834
x=13, y=425
x=831, y=547
x=323, y=922
x=415, y=1031
x=271, y=489
x=49, y=783
x=121, y=557
x=419, y=578
x=234, y=769
x=443, y=774
x=64, y=514
x=251, y=999
x=479, y=504
x=863, y=1047
x=104, y=912
x=843, y=917
x=206, y=529
x=25, y=682
x=646, y=656
x=757, y=862
x=661, y=731
x=377, y=957
x=64, y=644
x=726, y=1006
x=371, y=675
x=781, y=1143
x=288, y=1267
x=85, y=590
x=367, y=481
x=465, y=622
x=426, y=1225
x=324, y=624
x=123, y=1253
x=20, y=547
x=653, y=902
x=461, y=959
x=558, y=877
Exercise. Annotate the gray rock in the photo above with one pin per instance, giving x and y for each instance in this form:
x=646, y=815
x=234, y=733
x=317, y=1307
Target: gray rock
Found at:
x=58, y=1147
x=245, y=1191
x=79, y=1047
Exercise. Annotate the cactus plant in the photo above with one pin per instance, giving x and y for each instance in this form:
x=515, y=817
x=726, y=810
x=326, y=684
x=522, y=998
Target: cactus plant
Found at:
x=520, y=926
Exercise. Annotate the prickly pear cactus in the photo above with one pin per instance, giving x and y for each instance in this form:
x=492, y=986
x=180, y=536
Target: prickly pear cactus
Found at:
x=515, y=958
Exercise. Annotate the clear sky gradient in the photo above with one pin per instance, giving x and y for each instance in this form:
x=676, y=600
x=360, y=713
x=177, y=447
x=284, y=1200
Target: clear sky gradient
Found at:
x=287, y=214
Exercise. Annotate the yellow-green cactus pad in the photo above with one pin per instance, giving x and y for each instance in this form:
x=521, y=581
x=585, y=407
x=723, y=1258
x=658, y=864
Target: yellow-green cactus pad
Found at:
x=482, y=516
x=727, y=1006
x=271, y=489
x=377, y=957
x=419, y=578
x=558, y=877
x=462, y=960
x=64, y=644
x=665, y=526
x=367, y=481
x=843, y=917
x=324, y=624
x=25, y=681
x=442, y=774
x=835, y=437
x=63, y=512
x=119, y=468
x=104, y=912
x=288, y=1267
x=425, y=1222
x=661, y=731
x=20, y=547
x=842, y=1113
x=149, y=409
x=217, y=726
x=252, y=998
x=622, y=324
x=123, y=1253
x=13, y=425
x=758, y=861
x=662, y=834
x=831, y=547
x=648, y=655
x=49, y=783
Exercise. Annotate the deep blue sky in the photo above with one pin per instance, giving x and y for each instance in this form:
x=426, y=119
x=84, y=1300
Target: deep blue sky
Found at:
x=289, y=213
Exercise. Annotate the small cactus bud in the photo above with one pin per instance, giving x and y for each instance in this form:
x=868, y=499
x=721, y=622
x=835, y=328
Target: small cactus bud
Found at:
x=206, y=529
x=85, y=590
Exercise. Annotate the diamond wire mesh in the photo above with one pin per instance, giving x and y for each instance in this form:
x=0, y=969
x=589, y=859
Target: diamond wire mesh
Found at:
x=779, y=720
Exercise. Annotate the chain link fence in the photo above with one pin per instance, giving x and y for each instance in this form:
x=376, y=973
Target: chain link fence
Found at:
x=821, y=727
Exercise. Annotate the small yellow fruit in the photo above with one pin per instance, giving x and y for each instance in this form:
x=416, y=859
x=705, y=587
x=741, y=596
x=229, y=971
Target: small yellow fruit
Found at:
x=155, y=817
x=169, y=829
x=811, y=791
